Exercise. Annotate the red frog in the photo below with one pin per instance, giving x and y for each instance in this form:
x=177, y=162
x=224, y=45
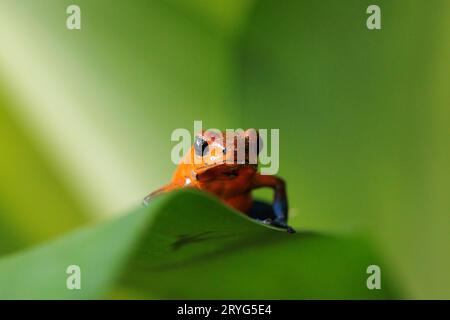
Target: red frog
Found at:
x=214, y=164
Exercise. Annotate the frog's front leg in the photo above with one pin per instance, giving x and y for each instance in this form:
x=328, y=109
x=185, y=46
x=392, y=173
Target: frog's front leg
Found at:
x=280, y=203
x=166, y=188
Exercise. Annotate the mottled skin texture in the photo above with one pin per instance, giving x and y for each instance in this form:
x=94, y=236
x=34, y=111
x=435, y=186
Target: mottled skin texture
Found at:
x=227, y=178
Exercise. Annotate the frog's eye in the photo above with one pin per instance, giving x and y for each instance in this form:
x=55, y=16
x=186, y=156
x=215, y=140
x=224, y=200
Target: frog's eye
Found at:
x=200, y=146
x=259, y=144
x=250, y=144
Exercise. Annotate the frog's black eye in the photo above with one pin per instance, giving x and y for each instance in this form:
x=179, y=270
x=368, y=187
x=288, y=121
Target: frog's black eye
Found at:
x=200, y=146
x=259, y=144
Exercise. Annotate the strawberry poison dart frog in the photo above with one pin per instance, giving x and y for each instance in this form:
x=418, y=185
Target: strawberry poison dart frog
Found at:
x=226, y=166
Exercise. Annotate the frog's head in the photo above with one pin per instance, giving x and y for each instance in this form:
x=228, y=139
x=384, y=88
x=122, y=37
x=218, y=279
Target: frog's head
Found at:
x=224, y=152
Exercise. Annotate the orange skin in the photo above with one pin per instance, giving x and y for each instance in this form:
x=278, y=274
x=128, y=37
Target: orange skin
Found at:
x=227, y=178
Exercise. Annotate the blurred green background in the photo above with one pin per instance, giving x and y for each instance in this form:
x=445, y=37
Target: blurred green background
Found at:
x=86, y=115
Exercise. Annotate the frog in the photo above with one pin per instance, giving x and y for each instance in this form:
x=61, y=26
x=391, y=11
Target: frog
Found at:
x=215, y=164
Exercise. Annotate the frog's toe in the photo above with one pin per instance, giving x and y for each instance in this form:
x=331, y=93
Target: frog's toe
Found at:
x=283, y=225
x=277, y=224
x=146, y=200
x=290, y=230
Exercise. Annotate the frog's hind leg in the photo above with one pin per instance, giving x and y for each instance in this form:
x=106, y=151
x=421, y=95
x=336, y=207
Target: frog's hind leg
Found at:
x=264, y=212
x=280, y=204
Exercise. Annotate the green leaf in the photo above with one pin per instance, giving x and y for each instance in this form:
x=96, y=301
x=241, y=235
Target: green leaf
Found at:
x=188, y=245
